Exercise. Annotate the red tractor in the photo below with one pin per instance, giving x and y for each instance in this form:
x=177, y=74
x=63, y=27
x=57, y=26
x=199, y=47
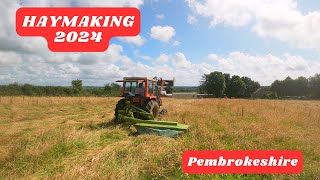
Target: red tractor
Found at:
x=143, y=92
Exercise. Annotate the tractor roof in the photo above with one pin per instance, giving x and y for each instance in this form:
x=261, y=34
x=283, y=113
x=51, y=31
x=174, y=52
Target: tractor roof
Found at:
x=141, y=79
x=131, y=79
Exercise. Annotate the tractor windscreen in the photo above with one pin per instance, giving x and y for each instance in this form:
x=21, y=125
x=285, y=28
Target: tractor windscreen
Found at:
x=131, y=87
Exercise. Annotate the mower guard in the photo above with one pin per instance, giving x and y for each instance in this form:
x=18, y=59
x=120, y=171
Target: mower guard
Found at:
x=146, y=124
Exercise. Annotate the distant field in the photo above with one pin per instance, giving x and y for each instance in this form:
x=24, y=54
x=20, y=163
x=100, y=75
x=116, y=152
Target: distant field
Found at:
x=71, y=138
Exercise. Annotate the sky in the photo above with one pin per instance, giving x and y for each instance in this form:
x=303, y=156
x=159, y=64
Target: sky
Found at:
x=265, y=40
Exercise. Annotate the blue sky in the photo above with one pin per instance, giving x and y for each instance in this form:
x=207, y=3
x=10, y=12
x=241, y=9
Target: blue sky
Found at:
x=199, y=40
x=263, y=39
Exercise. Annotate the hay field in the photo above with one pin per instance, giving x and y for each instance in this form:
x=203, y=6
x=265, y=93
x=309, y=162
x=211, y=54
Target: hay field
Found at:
x=68, y=138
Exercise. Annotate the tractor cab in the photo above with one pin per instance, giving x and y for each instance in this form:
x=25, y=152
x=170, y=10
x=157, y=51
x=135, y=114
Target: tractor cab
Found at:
x=139, y=90
x=143, y=92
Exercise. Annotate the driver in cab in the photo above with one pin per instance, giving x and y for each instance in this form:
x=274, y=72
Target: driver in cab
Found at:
x=139, y=90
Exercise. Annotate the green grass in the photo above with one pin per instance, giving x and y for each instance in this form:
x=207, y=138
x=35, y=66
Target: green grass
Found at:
x=72, y=138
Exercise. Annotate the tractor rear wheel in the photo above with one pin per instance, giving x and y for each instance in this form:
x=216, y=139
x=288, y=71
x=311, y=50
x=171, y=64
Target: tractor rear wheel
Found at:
x=120, y=106
x=153, y=108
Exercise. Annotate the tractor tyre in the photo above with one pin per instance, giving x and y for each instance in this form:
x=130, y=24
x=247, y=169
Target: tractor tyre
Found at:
x=119, y=106
x=153, y=108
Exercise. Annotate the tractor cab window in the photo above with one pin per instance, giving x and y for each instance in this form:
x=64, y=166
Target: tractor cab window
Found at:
x=130, y=87
x=155, y=87
x=140, y=91
x=150, y=87
x=133, y=88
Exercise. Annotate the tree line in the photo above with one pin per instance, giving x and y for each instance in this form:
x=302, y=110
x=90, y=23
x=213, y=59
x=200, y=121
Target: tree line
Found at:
x=217, y=83
x=223, y=85
x=76, y=89
x=307, y=88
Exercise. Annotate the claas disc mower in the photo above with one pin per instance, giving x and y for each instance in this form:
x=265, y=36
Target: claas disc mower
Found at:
x=140, y=106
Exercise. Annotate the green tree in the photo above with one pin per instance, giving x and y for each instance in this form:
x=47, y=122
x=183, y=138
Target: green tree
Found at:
x=288, y=84
x=291, y=87
x=107, y=88
x=237, y=87
x=112, y=89
x=251, y=86
x=276, y=87
x=227, y=79
x=301, y=86
x=314, y=86
x=77, y=86
x=28, y=90
x=214, y=83
x=115, y=89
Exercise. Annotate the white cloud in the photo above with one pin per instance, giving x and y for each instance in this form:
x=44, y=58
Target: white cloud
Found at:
x=83, y=3
x=180, y=61
x=28, y=60
x=264, y=68
x=69, y=68
x=113, y=54
x=162, y=33
x=144, y=57
x=276, y=19
x=160, y=16
x=162, y=59
x=192, y=19
x=176, y=43
x=137, y=40
x=100, y=68
x=61, y=68
x=213, y=57
x=9, y=58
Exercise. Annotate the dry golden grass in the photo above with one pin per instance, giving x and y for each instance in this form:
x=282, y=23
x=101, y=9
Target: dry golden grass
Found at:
x=68, y=138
